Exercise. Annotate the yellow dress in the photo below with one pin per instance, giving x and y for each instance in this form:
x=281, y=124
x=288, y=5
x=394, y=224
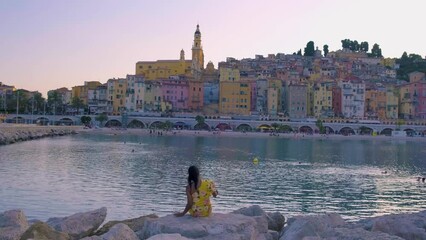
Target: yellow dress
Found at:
x=201, y=206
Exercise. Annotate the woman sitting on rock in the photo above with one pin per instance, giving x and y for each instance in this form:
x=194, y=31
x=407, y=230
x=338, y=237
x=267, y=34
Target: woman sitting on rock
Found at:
x=198, y=192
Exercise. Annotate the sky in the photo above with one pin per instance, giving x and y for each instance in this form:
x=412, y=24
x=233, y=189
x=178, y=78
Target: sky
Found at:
x=48, y=44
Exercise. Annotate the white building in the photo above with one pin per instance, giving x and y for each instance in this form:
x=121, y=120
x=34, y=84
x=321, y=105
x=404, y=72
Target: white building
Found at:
x=353, y=98
x=135, y=93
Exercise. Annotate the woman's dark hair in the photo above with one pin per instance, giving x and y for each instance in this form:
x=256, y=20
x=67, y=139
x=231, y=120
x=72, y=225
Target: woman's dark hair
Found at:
x=193, y=176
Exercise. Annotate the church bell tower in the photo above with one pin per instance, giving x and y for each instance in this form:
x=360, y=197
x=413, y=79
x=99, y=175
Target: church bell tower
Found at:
x=197, y=55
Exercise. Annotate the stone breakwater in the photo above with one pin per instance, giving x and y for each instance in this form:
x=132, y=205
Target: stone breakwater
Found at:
x=251, y=223
x=12, y=133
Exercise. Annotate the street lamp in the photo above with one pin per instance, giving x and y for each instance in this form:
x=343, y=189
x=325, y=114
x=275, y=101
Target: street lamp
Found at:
x=17, y=105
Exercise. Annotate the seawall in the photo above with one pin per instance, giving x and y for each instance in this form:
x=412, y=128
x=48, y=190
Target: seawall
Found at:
x=12, y=133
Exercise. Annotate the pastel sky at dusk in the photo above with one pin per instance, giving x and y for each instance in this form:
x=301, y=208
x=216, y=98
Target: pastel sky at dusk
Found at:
x=48, y=44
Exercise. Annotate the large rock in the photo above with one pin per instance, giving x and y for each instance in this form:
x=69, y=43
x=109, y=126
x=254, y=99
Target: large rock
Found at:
x=356, y=234
x=119, y=231
x=134, y=224
x=166, y=236
x=218, y=226
x=79, y=225
x=42, y=231
x=275, y=220
x=301, y=227
x=407, y=226
x=13, y=224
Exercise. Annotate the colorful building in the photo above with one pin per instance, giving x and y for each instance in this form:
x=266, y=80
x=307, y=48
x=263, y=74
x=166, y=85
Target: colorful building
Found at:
x=211, y=97
x=195, y=95
x=117, y=95
x=375, y=104
x=135, y=93
x=234, y=98
x=296, y=97
x=274, y=97
x=323, y=99
x=353, y=98
x=163, y=69
x=82, y=91
x=175, y=93
x=392, y=102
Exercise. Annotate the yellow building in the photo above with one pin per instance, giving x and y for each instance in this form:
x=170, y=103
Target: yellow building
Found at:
x=322, y=99
x=83, y=90
x=163, y=69
x=234, y=98
x=117, y=95
x=153, y=97
x=375, y=103
x=229, y=74
x=274, y=97
x=392, y=102
x=406, y=103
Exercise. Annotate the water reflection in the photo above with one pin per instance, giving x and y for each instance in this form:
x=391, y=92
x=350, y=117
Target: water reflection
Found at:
x=61, y=176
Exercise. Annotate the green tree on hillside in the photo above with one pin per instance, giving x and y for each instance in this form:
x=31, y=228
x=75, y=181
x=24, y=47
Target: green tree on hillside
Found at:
x=325, y=49
x=376, y=51
x=364, y=46
x=309, y=49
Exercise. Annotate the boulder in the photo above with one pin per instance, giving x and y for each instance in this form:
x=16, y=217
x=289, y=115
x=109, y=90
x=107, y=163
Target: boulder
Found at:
x=42, y=231
x=276, y=221
x=166, y=236
x=311, y=226
x=13, y=224
x=134, y=224
x=79, y=225
x=356, y=234
x=407, y=226
x=119, y=231
x=218, y=226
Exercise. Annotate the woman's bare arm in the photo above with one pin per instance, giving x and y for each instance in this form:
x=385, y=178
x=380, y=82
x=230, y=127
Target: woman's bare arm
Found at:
x=189, y=203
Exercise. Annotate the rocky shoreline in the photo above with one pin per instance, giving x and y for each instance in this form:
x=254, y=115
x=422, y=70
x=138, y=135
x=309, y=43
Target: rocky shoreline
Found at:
x=13, y=133
x=247, y=223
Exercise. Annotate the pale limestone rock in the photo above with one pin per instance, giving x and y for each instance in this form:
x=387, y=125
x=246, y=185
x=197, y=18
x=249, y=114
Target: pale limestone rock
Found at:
x=119, y=231
x=218, y=226
x=310, y=226
x=407, y=226
x=13, y=224
x=166, y=236
x=79, y=225
x=134, y=224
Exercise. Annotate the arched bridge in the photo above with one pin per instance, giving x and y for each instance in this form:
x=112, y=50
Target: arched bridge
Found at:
x=222, y=124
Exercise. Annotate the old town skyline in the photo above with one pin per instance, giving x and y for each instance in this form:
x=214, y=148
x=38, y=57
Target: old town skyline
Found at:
x=44, y=36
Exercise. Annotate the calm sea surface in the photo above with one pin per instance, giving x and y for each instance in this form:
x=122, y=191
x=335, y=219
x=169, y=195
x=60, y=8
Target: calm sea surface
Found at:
x=60, y=176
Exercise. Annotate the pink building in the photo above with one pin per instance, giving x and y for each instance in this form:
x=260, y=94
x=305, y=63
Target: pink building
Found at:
x=195, y=95
x=175, y=93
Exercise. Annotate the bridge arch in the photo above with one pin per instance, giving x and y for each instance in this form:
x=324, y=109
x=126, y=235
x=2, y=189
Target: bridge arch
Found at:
x=328, y=130
x=65, y=121
x=202, y=126
x=386, y=132
x=18, y=119
x=346, y=131
x=136, y=124
x=363, y=130
x=410, y=132
x=264, y=127
x=42, y=120
x=113, y=123
x=156, y=125
x=244, y=127
x=284, y=128
x=306, y=129
x=223, y=126
x=181, y=125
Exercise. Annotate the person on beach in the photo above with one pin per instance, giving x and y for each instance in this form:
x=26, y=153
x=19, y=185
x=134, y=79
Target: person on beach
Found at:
x=198, y=192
